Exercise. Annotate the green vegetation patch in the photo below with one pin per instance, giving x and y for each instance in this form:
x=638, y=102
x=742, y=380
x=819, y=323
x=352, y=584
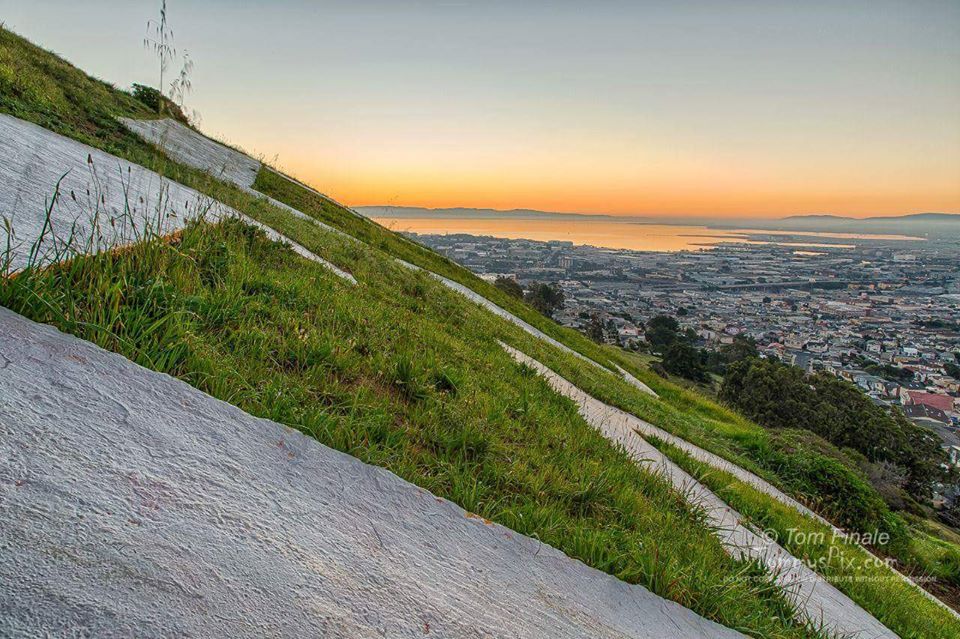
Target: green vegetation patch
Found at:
x=868, y=580
x=403, y=373
x=799, y=462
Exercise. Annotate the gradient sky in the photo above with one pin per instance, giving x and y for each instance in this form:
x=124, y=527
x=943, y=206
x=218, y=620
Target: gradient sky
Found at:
x=649, y=108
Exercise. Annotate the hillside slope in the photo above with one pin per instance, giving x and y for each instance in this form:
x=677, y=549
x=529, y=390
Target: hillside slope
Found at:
x=819, y=601
x=816, y=600
x=221, y=524
x=189, y=147
x=400, y=371
x=151, y=272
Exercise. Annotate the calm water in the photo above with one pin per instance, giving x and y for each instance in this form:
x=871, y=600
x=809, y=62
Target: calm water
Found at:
x=611, y=234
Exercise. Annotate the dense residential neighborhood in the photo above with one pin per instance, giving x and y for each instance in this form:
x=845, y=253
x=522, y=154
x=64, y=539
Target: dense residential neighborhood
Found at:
x=882, y=314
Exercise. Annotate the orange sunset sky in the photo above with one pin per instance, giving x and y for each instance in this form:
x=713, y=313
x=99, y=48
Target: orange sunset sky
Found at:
x=742, y=109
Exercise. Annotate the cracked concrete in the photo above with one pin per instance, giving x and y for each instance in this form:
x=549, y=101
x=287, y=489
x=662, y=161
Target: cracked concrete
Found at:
x=132, y=504
x=102, y=200
x=186, y=140
x=186, y=146
x=817, y=600
x=193, y=149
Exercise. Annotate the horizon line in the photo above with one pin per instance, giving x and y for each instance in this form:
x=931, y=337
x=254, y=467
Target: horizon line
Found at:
x=660, y=215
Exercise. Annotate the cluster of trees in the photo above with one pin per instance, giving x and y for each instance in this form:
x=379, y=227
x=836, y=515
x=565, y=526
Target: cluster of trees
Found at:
x=595, y=329
x=785, y=397
x=158, y=102
x=889, y=372
x=938, y=324
x=676, y=349
x=952, y=370
x=901, y=460
x=509, y=286
x=681, y=357
x=546, y=298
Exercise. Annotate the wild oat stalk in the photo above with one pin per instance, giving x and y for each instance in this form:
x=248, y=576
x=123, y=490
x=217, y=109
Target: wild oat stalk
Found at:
x=159, y=39
x=182, y=84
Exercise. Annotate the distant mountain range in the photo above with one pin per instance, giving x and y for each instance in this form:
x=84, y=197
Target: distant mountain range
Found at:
x=926, y=224
x=469, y=213
x=951, y=217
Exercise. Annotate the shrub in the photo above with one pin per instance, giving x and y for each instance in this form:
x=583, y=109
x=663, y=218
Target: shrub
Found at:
x=780, y=396
x=159, y=103
x=683, y=359
x=509, y=286
x=546, y=298
x=828, y=483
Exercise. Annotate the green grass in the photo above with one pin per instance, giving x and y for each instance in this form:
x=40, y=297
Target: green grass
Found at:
x=40, y=87
x=398, y=371
x=861, y=576
x=801, y=464
x=271, y=183
x=716, y=428
x=822, y=483
x=795, y=469
x=402, y=373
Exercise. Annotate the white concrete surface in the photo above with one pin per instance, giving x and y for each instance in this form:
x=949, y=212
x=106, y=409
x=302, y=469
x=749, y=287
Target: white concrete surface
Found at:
x=102, y=201
x=188, y=147
x=100, y=196
x=276, y=236
x=301, y=215
x=715, y=461
x=817, y=600
x=636, y=382
x=196, y=150
x=133, y=505
x=529, y=328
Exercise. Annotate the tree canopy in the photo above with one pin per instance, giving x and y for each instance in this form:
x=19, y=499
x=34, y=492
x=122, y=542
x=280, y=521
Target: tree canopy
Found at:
x=952, y=370
x=546, y=298
x=680, y=358
x=662, y=330
x=743, y=347
x=780, y=396
x=595, y=328
x=509, y=286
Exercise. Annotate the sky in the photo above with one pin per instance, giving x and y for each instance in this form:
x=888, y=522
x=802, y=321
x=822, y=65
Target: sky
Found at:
x=717, y=108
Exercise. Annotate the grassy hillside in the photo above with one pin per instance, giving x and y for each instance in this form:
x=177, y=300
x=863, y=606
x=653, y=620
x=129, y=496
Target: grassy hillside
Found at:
x=404, y=373
x=399, y=372
x=795, y=462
